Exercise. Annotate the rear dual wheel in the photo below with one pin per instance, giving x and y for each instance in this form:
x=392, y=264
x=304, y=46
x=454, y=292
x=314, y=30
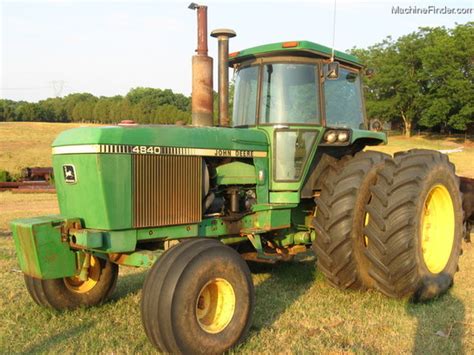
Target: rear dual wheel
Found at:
x=340, y=219
x=71, y=292
x=415, y=226
x=198, y=298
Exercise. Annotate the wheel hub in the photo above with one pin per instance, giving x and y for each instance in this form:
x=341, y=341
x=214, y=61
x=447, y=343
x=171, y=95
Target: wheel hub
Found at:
x=215, y=305
x=76, y=285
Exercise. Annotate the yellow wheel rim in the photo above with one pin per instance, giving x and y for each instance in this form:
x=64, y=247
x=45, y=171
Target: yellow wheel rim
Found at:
x=215, y=305
x=437, y=229
x=76, y=285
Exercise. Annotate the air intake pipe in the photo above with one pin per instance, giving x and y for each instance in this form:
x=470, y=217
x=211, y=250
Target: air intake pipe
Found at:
x=202, y=97
x=223, y=36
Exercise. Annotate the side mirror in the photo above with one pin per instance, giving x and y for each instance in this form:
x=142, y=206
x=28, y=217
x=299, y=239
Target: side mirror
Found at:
x=332, y=71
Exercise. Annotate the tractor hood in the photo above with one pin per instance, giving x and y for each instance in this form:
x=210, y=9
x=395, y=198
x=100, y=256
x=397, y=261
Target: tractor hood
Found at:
x=160, y=136
x=122, y=177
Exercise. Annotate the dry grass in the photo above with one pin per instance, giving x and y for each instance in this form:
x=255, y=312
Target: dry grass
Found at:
x=296, y=310
x=14, y=206
x=28, y=144
x=462, y=160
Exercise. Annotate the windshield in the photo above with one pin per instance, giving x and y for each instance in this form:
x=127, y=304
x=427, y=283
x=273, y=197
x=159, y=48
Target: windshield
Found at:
x=290, y=94
x=245, y=96
x=343, y=101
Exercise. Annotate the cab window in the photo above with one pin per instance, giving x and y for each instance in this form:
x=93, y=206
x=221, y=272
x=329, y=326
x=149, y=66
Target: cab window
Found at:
x=245, y=97
x=343, y=101
x=289, y=94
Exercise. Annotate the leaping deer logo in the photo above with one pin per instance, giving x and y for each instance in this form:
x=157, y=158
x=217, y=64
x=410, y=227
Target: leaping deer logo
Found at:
x=69, y=173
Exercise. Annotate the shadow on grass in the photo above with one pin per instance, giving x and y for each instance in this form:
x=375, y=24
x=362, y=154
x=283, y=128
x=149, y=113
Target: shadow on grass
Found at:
x=440, y=325
x=128, y=284
x=287, y=282
x=456, y=138
x=46, y=344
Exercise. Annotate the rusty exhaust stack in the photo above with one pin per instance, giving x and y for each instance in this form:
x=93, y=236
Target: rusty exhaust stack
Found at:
x=202, y=100
x=223, y=35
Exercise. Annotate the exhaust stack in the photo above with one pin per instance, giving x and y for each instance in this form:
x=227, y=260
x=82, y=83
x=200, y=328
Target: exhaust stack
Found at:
x=223, y=36
x=202, y=99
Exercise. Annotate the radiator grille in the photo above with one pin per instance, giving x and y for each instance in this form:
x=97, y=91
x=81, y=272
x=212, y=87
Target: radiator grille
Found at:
x=166, y=190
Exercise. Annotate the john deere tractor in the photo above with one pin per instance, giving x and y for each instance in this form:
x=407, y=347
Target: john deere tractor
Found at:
x=194, y=202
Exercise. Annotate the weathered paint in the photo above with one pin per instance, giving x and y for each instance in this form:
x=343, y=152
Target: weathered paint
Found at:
x=41, y=251
x=264, y=220
x=105, y=241
x=142, y=258
x=88, y=238
x=101, y=197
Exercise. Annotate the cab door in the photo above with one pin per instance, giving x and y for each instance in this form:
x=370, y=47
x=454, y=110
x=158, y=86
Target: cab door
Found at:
x=290, y=113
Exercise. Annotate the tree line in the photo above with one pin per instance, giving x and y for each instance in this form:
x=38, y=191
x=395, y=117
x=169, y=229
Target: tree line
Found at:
x=424, y=79
x=144, y=105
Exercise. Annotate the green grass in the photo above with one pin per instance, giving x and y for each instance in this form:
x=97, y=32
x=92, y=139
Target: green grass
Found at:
x=296, y=310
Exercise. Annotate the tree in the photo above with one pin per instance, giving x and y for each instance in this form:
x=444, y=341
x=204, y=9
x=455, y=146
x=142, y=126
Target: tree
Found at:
x=424, y=78
x=7, y=110
x=394, y=91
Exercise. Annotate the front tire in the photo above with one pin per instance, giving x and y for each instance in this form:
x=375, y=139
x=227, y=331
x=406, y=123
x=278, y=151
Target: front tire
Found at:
x=70, y=292
x=415, y=229
x=198, y=298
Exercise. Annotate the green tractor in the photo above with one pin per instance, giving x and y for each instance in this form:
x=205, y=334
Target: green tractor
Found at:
x=195, y=203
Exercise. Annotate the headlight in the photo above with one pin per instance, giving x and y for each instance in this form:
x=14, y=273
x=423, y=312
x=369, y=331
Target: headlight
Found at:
x=336, y=136
x=330, y=136
x=342, y=136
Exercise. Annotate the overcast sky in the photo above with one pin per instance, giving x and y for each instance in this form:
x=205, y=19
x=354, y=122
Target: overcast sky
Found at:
x=107, y=47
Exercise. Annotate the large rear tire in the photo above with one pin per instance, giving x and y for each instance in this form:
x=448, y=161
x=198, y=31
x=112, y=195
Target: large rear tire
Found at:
x=415, y=227
x=70, y=292
x=340, y=218
x=198, y=298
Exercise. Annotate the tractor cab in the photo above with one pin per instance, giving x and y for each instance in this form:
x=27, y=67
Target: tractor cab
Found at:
x=291, y=83
x=302, y=99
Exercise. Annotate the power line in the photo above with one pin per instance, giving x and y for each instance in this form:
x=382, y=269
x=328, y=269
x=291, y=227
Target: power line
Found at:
x=58, y=86
x=30, y=88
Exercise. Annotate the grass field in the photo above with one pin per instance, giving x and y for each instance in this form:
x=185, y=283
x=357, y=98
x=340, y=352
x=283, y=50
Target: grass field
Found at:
x=296, y=310
x=28, y=144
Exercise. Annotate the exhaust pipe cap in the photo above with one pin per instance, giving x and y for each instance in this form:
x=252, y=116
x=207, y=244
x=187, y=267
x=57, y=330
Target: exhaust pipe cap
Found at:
x=223, y=32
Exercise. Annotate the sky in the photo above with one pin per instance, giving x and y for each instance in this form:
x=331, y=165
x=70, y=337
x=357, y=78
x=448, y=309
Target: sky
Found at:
x=50, y=48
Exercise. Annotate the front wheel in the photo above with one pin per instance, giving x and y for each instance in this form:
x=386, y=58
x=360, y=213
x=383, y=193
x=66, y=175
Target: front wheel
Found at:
x=415, y=227
x=71, y=292
x=198, y=298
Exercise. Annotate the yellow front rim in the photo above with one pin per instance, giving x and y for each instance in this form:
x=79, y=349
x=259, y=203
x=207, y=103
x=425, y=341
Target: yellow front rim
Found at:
x=76, y=285
x=437, y=229
x=215, y=305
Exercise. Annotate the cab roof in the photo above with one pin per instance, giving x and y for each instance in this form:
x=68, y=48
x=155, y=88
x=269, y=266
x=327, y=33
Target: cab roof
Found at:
x=305, y=48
